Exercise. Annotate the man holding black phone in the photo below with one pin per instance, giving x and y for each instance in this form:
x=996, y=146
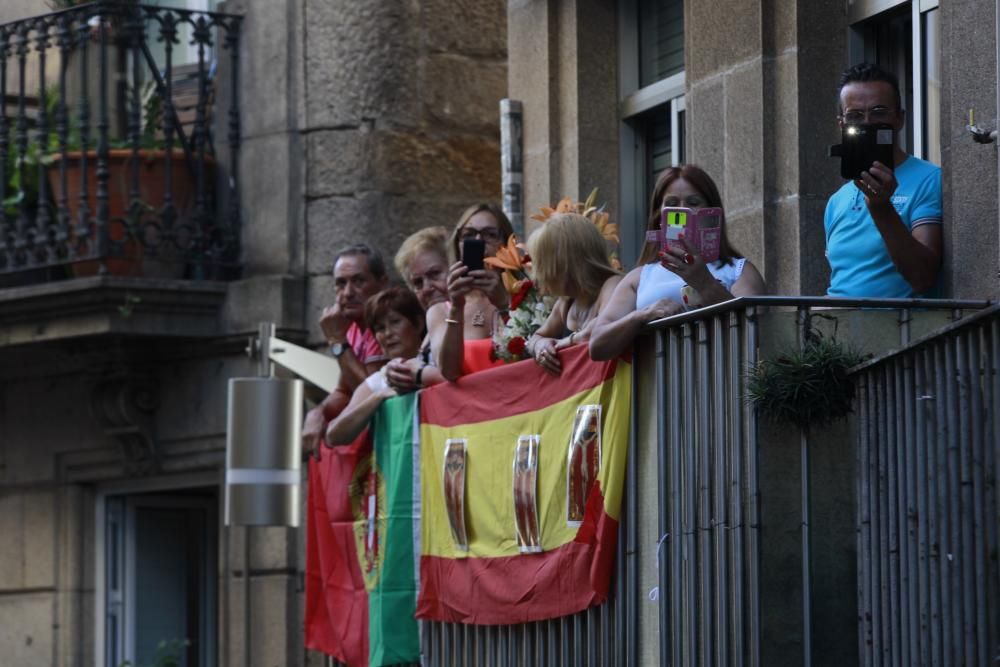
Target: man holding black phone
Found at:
x=883, y=228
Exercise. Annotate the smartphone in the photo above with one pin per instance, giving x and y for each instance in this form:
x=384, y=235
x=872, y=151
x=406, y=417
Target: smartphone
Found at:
x=472, y=253
x=700, y=228
x=863, y=145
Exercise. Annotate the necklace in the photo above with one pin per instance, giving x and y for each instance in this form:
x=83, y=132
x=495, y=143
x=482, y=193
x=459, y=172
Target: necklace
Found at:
x=578, y=315
x=478, y=319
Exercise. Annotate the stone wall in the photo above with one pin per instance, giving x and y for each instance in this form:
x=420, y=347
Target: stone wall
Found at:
x=969, y=81
x=361, y=121
x=563, y=69
x=762, y=109
x=400, y=122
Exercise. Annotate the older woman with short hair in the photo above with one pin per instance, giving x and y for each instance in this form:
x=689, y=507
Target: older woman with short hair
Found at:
x=422, y=261
x=397, y=320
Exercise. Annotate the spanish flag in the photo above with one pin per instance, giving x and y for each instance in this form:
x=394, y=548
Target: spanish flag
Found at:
x=521, y=484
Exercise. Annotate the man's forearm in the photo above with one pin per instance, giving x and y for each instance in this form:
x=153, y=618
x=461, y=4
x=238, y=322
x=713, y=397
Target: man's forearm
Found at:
x=918, y=264
x=352, y=371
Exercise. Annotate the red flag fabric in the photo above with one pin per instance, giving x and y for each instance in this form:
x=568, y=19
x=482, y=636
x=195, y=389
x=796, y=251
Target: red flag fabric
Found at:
x=336, y=613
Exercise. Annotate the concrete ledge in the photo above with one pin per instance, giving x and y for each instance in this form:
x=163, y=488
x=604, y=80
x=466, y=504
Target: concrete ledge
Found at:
x=110, y=305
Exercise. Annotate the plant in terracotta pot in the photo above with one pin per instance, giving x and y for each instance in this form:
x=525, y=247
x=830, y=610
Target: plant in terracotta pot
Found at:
x=151, y=197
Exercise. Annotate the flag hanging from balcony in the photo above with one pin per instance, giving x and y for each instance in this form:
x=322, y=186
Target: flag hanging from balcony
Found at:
x=521, y=484
x=361, y=554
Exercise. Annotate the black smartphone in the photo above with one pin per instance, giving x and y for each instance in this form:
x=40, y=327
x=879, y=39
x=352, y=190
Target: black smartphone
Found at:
x=863, y=145
x=472, y=253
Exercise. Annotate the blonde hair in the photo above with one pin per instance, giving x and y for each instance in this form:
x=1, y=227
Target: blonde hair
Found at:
x=569, y=254
x=429, y=239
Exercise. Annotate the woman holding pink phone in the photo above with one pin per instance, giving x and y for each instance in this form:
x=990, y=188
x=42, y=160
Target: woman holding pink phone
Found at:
x=672, y=279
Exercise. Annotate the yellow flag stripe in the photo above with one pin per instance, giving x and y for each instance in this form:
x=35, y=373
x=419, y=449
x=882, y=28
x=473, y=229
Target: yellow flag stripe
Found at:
x=489, y=509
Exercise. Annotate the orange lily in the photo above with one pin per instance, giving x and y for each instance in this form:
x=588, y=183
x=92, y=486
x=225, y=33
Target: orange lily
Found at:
x=544, y=215
x=508, y=257
x=609, y=230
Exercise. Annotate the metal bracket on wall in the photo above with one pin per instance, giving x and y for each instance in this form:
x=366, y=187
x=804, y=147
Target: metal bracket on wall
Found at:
x=313, y=367
x=980, y=135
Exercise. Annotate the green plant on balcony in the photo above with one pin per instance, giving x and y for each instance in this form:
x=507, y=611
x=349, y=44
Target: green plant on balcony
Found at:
x=168, y=654
x=127, y=160
x=808, y=387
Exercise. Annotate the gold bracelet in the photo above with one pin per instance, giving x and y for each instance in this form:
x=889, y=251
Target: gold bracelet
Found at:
x=451, y=321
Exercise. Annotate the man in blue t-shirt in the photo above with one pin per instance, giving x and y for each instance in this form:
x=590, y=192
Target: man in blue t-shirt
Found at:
x=883, y=230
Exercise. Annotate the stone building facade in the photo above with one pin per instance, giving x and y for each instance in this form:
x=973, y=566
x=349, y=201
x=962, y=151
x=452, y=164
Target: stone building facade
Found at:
x=366, y=120
x=748, y=90
x=360, y=121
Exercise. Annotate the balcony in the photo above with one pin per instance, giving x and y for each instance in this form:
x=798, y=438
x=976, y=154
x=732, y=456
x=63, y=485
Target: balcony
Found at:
x=869, y=541
x=115, y=184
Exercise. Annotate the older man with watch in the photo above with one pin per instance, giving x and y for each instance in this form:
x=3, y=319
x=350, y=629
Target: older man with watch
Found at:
x=883, y=230
x=358, y=273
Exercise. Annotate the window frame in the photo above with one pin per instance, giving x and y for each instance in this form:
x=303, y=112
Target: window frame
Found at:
x=862, y=11
x=633, y=102
x=126, y=488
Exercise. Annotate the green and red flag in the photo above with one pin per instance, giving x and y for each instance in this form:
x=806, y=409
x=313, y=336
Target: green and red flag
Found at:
x=521, y=484
x=361, y=563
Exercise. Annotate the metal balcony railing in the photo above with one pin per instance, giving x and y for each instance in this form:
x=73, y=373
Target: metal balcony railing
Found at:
x=697, y=570
x=107, y=145
x=927, y=515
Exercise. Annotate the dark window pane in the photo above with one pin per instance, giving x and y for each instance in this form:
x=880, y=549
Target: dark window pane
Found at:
x=661, y=39
x=932, y=86
x=888, y=40
x=656, y=130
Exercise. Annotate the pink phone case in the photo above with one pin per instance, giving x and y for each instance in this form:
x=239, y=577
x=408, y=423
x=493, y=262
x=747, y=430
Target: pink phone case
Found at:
x=701, y=229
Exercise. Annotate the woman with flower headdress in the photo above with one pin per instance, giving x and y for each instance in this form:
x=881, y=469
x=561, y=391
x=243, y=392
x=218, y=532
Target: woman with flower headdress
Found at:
x=461, y=329
x=570, y=260
x=668, y=282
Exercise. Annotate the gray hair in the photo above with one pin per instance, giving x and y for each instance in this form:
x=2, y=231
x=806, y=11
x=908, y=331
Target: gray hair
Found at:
x=375, y=262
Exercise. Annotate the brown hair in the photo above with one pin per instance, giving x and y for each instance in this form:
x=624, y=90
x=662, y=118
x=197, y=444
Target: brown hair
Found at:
x=568, y=249
x=429, y=239
x=397, y=298
x=701, y=182
x=506, y=229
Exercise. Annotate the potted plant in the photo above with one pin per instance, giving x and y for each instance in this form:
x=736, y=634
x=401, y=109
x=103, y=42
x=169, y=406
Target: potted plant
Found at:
x=138, y=201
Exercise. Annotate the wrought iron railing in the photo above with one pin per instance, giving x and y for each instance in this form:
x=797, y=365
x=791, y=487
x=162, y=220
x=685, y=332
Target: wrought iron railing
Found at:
x=107, y=149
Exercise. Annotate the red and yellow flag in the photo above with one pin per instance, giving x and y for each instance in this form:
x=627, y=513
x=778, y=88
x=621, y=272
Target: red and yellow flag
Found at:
x=521, y=483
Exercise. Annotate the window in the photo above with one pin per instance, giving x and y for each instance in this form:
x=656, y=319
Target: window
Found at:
x=157, y=563
x=651, y=107
x=904, y=38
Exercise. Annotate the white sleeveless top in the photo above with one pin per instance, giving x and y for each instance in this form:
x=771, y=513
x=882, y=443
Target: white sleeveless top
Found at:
x=656, y=282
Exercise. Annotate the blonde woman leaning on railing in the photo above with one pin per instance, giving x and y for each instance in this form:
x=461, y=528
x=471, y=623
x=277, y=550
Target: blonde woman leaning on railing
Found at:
x=668, y=282
x=569, y=260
